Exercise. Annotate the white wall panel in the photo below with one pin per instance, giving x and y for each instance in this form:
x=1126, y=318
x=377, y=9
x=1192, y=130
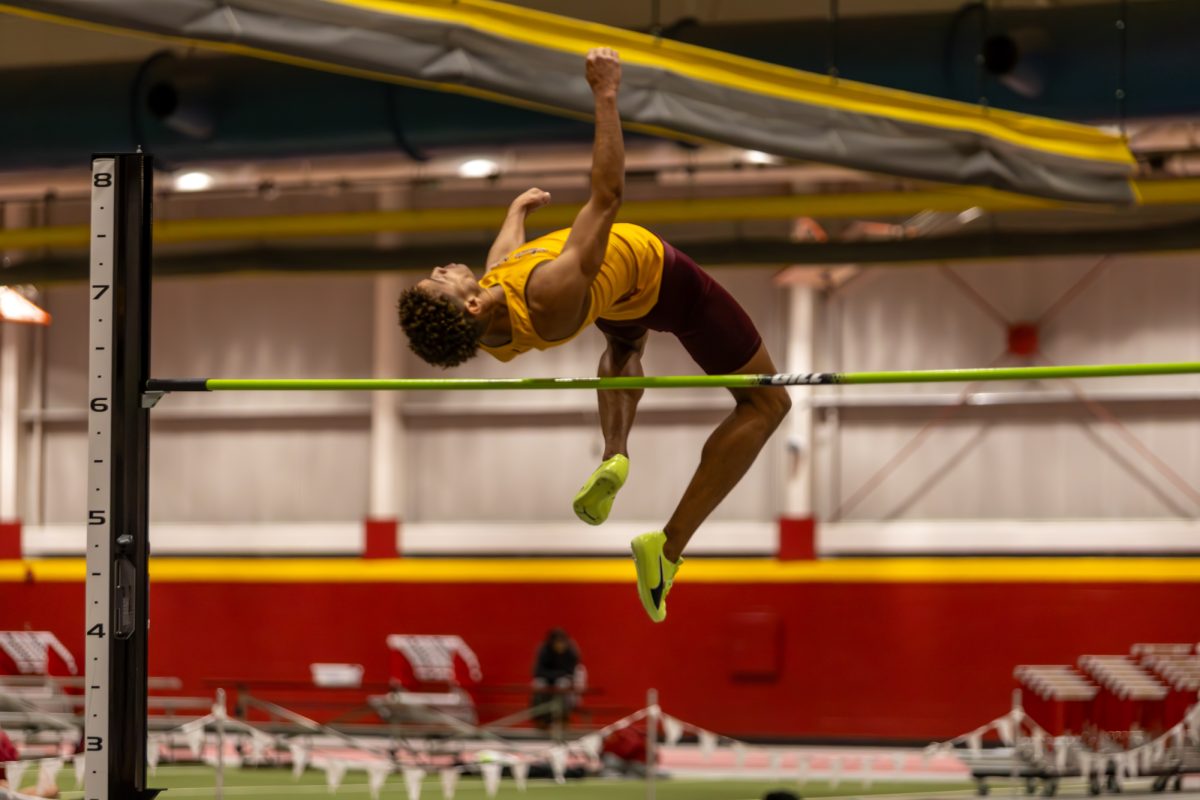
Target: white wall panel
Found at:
x=67, y=347
x=1053, y=461
x=910, y=318
x=530, y=471
x=287, y=327
x=184, y=539
x=65, y=461
x=1139, y=308
x=259, y=474
x=250, y=471
x=232, y=326
x=513, y=457
x=1002, y=464
x=1017, y=537
x=1142, y=308
x=232, y=470
x=717, y=537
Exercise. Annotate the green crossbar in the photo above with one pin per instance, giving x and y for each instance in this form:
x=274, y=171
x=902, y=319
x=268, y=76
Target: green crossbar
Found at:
x=668, y=381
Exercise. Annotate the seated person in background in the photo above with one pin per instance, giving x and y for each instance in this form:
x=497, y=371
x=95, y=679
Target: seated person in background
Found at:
x=8, y=752
x=556, y=672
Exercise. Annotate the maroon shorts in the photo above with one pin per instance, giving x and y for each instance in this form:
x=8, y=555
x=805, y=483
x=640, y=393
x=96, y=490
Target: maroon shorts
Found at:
x=717, y=333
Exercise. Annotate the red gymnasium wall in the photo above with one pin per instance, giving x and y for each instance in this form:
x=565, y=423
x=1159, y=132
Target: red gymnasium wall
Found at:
x=883, y=655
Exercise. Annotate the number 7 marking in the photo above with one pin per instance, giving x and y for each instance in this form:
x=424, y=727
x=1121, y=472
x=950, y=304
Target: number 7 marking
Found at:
x=103, y=287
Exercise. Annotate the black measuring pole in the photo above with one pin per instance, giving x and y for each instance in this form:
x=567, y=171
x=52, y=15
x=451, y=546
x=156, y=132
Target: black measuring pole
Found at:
x=118, y=583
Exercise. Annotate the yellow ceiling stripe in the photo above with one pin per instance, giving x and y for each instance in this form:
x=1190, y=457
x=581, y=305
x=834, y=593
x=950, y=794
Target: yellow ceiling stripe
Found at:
x=643, y=212
x=543, y=29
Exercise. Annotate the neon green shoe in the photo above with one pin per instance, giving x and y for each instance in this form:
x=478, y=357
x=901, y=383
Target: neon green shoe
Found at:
x=655, y=573
x=595, y=499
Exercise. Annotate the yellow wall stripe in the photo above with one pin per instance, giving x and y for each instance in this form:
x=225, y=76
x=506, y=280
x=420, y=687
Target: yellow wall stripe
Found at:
x=643, y=212
x=716, y=570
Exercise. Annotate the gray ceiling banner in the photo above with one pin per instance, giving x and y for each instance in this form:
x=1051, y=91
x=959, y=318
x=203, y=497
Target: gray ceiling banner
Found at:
x=748, y=104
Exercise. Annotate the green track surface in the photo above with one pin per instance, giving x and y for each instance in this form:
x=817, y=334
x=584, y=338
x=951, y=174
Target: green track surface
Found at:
x=277, y=784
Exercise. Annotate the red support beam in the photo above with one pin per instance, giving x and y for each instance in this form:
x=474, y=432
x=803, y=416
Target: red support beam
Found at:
x=382, y=538
x=10, y=539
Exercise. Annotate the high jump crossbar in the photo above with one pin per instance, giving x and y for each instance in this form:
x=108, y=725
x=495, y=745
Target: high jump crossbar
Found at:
x=671, y=381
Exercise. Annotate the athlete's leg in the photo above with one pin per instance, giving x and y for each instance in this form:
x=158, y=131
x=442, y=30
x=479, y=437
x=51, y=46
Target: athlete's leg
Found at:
x=622, y=358
x=728, y=453
x=721, y=338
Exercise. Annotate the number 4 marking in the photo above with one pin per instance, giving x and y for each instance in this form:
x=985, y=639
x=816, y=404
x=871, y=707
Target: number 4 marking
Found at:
x=96, y=630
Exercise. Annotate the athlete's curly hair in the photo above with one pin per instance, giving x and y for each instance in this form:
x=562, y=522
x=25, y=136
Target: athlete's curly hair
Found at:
x=439, y=331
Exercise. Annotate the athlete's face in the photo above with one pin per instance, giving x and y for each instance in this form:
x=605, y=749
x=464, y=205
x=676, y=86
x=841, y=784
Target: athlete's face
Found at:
x=455, y=281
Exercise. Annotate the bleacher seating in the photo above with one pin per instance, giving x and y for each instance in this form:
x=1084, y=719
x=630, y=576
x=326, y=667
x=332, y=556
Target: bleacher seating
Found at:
x=33, y=665
x=430, y=676
x=34, y=653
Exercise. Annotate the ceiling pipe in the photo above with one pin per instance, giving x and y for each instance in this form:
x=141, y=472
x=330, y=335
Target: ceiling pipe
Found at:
x=959, y=206
x=982, y=246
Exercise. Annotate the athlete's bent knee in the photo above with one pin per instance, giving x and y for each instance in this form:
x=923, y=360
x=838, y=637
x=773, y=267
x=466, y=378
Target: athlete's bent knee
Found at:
x=776, y=404
x=771, y=403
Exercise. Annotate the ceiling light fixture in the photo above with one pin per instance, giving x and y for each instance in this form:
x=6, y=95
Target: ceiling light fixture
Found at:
x=478, y=168
x=193, y=181
x=970, y=215
x=760, y=158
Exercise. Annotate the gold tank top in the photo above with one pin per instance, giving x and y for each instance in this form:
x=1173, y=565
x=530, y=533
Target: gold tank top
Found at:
x=626, y=288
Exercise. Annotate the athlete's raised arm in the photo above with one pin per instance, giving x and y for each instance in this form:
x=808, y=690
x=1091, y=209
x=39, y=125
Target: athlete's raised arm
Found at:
x=564, y=286
x=512, y=232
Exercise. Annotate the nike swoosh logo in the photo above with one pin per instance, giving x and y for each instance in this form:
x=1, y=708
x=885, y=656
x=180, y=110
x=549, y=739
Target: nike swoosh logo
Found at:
x=657, y=592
